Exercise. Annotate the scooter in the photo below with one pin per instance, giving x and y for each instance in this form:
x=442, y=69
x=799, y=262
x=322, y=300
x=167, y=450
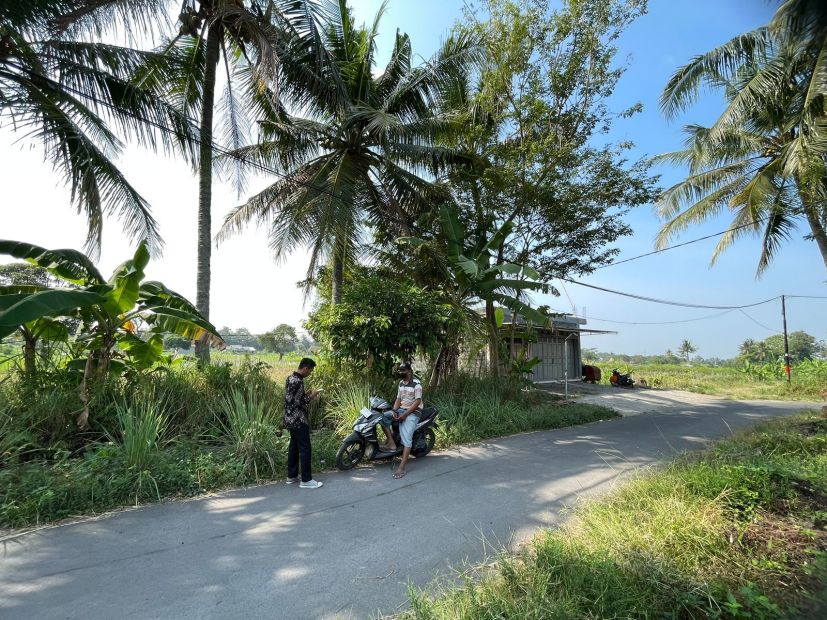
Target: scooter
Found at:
x=618, y=380
x=363, y=442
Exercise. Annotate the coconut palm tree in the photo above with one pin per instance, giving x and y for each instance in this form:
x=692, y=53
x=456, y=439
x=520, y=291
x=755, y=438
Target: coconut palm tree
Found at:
x=764, y=158
x=254, y=42
x=250, y=42
x=354, y=155
x=75, y=97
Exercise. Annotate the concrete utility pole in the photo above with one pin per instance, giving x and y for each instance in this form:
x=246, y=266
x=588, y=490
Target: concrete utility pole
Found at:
x=786, y=343
x=566, y=360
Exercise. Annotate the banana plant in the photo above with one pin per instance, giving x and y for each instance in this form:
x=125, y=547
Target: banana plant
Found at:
x=475, y=274
x=110, y=310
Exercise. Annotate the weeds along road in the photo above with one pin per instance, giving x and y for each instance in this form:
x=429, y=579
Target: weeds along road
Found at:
x=350, y=549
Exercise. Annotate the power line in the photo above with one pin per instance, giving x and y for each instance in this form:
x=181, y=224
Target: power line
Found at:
x=668, y=302
x=680, y=245
x=759, y=324
x=700, y=318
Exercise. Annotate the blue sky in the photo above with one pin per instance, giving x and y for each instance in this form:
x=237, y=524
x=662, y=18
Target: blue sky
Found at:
x=249, y=289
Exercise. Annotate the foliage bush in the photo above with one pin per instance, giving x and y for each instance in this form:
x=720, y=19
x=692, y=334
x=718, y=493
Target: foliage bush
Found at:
x=381, y=319
x=142, y=425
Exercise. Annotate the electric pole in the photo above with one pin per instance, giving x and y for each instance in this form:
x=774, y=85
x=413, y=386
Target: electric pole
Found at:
x=786, y=342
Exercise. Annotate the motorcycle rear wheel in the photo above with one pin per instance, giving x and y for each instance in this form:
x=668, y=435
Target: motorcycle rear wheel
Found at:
x=349, y=454
x=430, y=440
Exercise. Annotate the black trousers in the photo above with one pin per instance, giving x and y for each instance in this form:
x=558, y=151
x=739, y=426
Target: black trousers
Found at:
x=299, y=451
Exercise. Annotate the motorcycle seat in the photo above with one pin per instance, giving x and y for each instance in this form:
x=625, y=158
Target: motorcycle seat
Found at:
x=427, y=414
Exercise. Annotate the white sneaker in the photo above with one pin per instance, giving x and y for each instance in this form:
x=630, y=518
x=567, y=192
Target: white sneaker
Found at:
x=310, y=484
x=292, y=480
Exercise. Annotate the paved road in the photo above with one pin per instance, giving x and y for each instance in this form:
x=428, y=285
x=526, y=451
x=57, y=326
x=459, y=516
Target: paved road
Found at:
x=281, y=552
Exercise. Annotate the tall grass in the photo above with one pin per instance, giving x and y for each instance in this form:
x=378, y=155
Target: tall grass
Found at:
x=185, y=431
x=343, y=405
x=141, y=428
x=809, y=379
x=251, y=430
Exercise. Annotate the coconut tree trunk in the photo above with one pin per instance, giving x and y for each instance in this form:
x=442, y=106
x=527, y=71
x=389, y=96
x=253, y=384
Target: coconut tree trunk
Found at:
x=338, y=273
x=205, y=163
x=445, y=365
x=817, y=229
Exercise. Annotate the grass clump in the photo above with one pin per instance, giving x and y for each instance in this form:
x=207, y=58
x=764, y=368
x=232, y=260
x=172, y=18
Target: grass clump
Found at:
x=141, y=427
x=251, y=429
x=735, y=532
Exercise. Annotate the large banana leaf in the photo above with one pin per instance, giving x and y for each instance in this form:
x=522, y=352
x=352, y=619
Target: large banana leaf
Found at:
x=498, y=238
x=21, y=289
x=126, y=281
x=49, y=329
x=70, y=265
x=165, y=319
x=519, y=307
x=142, y=353
x=452, y=229
x=51, y=303
x=468, y=266
x=500, y=284
x=8, y=300
x=152, y=294
x=517, y=270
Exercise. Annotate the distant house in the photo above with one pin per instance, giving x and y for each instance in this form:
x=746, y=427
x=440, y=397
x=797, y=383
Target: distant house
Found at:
x=237, y=348
x=550, y=344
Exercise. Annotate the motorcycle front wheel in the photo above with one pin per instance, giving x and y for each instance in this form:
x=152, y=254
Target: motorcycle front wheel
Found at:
x=349, y=454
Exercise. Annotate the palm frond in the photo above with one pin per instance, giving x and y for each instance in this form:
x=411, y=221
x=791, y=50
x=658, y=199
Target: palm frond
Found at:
x=723, y=62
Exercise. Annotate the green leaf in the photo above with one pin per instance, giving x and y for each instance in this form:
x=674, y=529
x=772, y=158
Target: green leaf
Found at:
x=415, y=242
x=142, y=354
x=517, y=306
x=498, y=238
x=174, y=321
x=452, y=229
x=489, y=286
x=70, y=265
x=21, y=289
x=509, y=268
x=53, y=302
x=499, y=317
x=50, y=329
x=467, y=265
x=8, y=300
x=127, y=281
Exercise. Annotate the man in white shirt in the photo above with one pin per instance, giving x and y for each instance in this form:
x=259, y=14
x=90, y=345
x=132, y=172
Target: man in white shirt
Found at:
x=406, y=411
